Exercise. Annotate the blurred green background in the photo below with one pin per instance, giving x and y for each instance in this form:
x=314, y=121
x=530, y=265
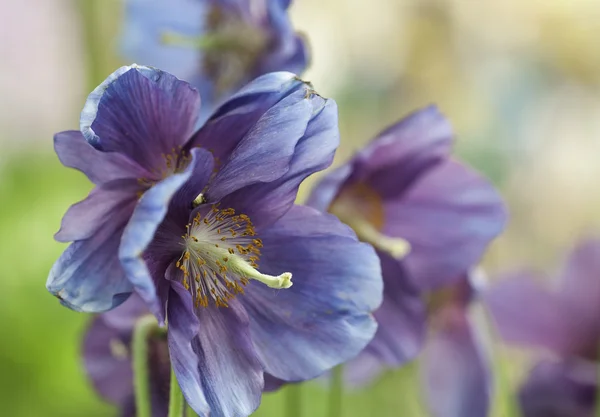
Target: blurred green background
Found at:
x=519, y=80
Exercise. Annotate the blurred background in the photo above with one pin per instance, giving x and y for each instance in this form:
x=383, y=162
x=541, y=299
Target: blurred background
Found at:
x=519, y=80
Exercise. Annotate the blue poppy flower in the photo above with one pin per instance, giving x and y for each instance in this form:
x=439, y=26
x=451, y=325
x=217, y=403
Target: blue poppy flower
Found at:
x=213, y=241
x=217, y=45
x=430, y=218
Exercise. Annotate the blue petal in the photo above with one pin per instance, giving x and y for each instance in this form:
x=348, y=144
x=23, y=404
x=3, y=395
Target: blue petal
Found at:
x=213, y=357
x=88, y=276
x=324, y=318
x=326, y=190
x=266, y=151
x=401, y=318
x=456, y=375
x=100, y=167
x=146, y=218
x=400, y=154
x=265, y=203
x=234, y=118
x=145, y=24
x=100, y=207
x=449, y=216
x=141, y=112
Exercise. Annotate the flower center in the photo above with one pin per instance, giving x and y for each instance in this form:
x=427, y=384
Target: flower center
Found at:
x=170, y=164
x=361, y=208
x=221, y=254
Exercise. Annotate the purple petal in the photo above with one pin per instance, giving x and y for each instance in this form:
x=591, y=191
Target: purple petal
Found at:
x=264, y=203
x=267, y=150
x=100, y=167
x=324, y=318
x=456, y=375
x=580, y=283
x=401, y=318
x=88, y=276
x=272, y=383
x=404, y=151
x=362, y=370
x=213, y=357
x=525, y=313
x=148, y=215
x=326, y=190
x=231, y=122
x=107, y=358
x=559, y=389
x=142, y=113
x=146, y=22
x=104, y=203
x=449, y=217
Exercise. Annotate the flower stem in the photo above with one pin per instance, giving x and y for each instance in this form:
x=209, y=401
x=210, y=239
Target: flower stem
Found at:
x=293, y=400
x=176, y=401
x=141, y=375
x=336, y=391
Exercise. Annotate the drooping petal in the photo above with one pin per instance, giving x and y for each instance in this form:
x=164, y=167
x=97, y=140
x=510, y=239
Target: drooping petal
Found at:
x=266, y=151
x=148, y=215
x=403, y=152
x=88, y=276
x=401, y=318
x=213, y=357
x=143, y=113
x=580, y=283
x=525, y=313
x=449, y=217
x=234, y=118
x=559, y=389
x=102, y=206
x=266, y=202
x=456, y=376
x=324, y=318
x=100, y=167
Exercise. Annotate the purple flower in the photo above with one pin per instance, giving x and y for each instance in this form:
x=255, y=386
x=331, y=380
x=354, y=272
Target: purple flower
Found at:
x=214, y=245
x=217, y=45
x=559, y=389
x=565, y=320
x=430, y=219
x=108, y=362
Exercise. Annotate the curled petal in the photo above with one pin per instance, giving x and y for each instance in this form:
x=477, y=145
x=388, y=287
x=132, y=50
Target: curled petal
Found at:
x=88, y=276
x=100, y=207
x=266, y=151
x=100, y=167
x=213, y=357
x=235, y=117
x=404, y=151
x=266, y=202
x=141, y=112
x=324, y=318
x=148, y=215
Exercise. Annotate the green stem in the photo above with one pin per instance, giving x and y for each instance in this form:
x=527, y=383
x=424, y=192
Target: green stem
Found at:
x=93, y=50
x=293, y=400
x=336, y=391
x=141, y=375
x=176, y=401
